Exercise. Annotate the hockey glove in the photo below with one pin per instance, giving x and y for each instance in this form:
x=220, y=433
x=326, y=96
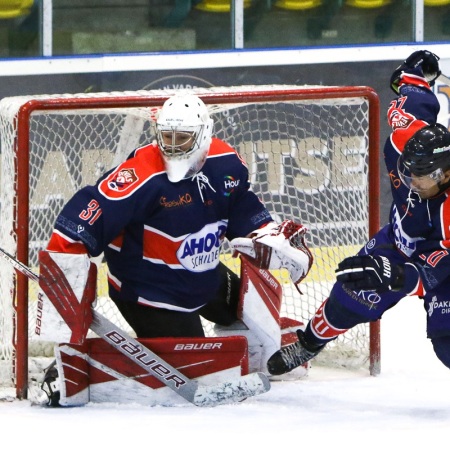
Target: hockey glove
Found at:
x=427, y=61
x=278, y=246
x=370, y=273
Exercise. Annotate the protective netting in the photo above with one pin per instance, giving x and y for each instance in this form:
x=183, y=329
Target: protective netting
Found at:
x=307, y=157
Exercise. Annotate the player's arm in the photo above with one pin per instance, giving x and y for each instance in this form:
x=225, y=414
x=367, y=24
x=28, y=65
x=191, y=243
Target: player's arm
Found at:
x=79, y=226
x=96, y=215
x=378, y=273
x=89, y=222
x=421, y=68
x=416, y=105
x=64, y=244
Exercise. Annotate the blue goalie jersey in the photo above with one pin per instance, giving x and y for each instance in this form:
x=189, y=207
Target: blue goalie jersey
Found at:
x=162, y=239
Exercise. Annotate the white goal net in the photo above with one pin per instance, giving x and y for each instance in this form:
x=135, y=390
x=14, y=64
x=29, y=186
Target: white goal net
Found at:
x=312, y=153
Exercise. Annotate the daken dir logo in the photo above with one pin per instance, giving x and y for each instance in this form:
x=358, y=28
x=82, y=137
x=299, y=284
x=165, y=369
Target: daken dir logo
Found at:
x=229, y=185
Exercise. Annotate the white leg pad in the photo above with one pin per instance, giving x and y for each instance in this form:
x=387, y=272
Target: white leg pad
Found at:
x=259, y=314
x=67, y=290
x=260, y=322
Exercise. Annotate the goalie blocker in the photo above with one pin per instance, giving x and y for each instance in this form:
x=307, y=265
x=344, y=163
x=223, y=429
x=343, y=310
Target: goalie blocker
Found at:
x=92, y=371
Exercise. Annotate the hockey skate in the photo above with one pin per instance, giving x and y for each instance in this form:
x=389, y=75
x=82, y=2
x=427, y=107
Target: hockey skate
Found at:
x=291, y=356
x=50, y=384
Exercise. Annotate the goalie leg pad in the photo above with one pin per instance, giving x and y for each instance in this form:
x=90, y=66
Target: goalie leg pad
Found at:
x=73, y=371
x=97, y=372
x=67, y=290
x=258, y=313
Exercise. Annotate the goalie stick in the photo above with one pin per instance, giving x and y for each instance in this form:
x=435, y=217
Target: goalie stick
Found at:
x=232, y=391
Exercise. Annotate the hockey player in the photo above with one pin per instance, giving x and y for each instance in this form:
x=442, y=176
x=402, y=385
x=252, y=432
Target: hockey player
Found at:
x=410, y=255
x=160, y=219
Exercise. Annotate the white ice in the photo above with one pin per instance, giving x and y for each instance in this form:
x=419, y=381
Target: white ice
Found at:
x=407, y=405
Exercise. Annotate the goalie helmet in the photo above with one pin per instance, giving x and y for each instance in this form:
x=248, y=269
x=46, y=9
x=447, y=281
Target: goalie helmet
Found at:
x=183, y=133
x=426, y=155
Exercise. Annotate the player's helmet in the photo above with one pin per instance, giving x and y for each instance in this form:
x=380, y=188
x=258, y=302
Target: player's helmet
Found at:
x=427, y=153
x=183, y=118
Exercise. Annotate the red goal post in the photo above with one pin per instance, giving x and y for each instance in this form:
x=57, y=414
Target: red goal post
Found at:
x=312, y=153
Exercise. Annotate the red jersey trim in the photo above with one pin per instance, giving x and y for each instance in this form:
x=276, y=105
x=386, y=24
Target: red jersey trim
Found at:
x=407, y=78
x=63, y=244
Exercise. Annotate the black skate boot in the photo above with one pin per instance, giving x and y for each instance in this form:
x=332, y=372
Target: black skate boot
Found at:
x=292, y=356
x=50, y=384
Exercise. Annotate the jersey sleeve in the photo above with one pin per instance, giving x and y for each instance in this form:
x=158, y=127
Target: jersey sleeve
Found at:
x=96, y=215
x=415, y=107
x=90, y=221
x=434, y=256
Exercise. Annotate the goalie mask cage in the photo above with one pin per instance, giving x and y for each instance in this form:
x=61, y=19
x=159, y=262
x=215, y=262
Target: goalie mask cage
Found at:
x=312, y=154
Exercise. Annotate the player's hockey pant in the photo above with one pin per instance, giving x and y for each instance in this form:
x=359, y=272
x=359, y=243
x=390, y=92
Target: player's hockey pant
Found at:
x=150, y=322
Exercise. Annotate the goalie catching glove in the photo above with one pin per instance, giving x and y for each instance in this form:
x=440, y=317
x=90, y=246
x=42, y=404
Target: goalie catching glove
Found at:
x=278, y=246
x=370, y=273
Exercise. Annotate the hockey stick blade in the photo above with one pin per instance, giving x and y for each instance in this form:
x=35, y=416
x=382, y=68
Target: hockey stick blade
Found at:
x=232, y=391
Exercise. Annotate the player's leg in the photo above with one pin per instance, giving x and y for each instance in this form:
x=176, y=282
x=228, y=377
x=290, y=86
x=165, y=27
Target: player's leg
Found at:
x=437, y=306
x=222, y=308
x=150, y=322
x=340, y=312
x=67, y=290
x=441, y=346
x=344, y=309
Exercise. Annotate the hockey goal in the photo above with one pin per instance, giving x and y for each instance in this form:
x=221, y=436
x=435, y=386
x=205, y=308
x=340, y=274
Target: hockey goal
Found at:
x=312, y=154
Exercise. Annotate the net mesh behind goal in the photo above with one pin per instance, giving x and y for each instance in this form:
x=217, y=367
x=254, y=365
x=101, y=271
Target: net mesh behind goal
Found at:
x=312, y=154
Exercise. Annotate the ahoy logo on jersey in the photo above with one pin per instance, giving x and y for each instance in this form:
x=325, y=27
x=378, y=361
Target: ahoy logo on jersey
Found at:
x=200, y=251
